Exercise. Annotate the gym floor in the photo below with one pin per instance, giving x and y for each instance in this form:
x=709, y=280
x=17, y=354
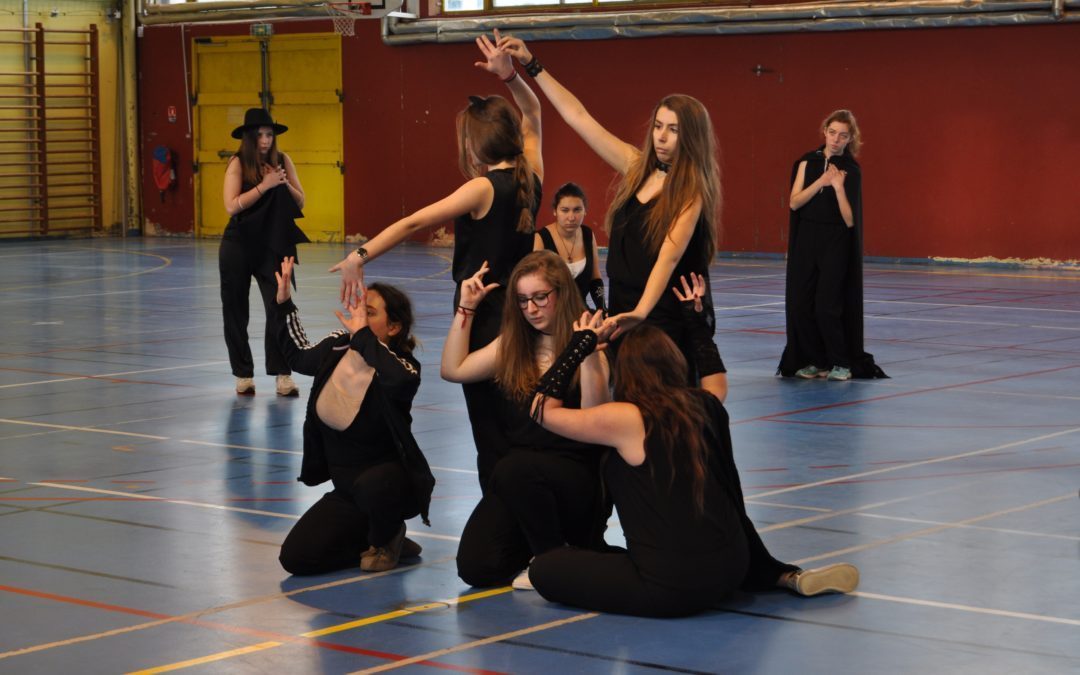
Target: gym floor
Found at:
x=142, y=503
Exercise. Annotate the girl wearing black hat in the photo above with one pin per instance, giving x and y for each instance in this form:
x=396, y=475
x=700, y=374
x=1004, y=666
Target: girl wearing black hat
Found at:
x=263, y=195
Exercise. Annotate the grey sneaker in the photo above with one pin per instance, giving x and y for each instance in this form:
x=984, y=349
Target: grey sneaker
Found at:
x=286, y=386
x=245, y=386
x=840, y=374
x=838, y=578
x=809, y=372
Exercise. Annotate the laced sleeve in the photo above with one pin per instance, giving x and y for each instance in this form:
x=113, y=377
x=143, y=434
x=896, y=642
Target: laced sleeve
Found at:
x=556, y=381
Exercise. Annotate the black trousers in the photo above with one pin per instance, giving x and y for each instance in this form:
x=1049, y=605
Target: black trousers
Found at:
x=482, y=399
x=536, y=502
x=237, y=264
x=367, y=507
x=817, y=272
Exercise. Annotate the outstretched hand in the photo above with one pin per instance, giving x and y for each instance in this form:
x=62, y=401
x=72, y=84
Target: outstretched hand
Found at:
x=620, y=323
x=473, y=290
x=514, y=47
x=496, y=61
x=691, y=293
x=284, y=279
x=352, y=279
x=357, y=318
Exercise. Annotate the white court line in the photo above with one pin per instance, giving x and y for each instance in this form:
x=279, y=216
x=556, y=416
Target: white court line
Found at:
x=1002, y=530
x=118, y=374
x=909, y=465
x=968, y=608
x=66, y=427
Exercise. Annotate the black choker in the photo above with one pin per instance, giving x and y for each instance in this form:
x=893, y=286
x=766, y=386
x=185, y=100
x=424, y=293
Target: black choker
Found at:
x=661, y=166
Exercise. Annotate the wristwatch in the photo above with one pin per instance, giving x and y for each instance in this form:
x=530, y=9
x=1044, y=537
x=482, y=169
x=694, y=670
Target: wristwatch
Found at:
x=362, y=252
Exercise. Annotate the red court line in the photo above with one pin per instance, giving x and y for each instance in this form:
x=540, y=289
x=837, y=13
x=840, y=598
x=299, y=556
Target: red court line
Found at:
x=885, y=397
x=241, y=630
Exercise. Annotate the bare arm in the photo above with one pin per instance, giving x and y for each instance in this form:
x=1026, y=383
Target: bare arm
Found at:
x=837, y=182
x=671, y=252
x=617, y=153
x=538, y=243
x=596, y=259
x=595, y=374
x=614, y=424
x=499, y=63
x=295, y=189
x=458, y=365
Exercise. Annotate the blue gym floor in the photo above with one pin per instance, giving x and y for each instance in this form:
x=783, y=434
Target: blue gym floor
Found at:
x=142, y=502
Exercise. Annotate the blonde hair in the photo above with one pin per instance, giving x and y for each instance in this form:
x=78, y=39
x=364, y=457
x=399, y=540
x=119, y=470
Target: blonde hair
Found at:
x=490, y=129
x=846, y=117
x=516, y=372
x=695, y=173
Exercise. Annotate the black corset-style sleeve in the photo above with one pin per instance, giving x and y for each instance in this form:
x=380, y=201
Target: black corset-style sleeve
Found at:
x=556, y=381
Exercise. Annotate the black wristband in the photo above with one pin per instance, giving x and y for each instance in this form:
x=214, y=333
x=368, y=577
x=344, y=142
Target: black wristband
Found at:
x=596, y=292
x=533, y=68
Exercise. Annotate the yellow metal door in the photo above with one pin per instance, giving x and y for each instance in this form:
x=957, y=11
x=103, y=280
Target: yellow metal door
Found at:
x=303, y=76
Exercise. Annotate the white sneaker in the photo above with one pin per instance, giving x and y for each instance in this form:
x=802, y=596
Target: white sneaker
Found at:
x=521, y=582
x=245, y=386
x=286, y=386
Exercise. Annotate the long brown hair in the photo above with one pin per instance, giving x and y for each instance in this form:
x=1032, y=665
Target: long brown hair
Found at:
x=250, y=162
x=515, y=367
x=846, y=117
x=399, y=311
x=650, y=372
x=491, y=129
x=694, y=173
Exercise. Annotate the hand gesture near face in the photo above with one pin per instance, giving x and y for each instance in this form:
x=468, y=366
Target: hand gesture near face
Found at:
x=692, y=293
x=514, y=47
x=357, y=318
x=284, y=279
x=497, y=62
x=473, y=290
x=594, y=321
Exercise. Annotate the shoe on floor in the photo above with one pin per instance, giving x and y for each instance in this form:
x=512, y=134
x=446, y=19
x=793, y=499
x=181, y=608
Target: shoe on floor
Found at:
x=383, y=558
x=410, y=549
x=245, y=386
x=838, y=578
x=521, y=582
x=286, y=386
x=809, y=372
x=840, y=374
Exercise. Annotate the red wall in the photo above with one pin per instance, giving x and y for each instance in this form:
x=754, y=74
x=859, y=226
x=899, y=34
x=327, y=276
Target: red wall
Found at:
x=971, y=134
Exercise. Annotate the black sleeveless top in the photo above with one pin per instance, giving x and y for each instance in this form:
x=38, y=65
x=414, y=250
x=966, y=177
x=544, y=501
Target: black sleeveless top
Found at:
x=669, y=541
x=270, y=223
x=494, y=237
x=523, y=434
x=823, y=207
x=629, y=263
x=582, y=280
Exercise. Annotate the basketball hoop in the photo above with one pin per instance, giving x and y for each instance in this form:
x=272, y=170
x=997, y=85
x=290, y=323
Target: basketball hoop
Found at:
x=345, y=14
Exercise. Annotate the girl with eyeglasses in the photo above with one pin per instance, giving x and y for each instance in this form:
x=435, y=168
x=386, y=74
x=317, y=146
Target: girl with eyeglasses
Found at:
x=673, y=479
x=544, y=492
x=494, y=221
x=662, y=222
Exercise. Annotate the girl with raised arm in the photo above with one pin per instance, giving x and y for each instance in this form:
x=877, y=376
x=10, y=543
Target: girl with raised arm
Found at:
x=544, y=492
x=493, y=214
x=662, y=222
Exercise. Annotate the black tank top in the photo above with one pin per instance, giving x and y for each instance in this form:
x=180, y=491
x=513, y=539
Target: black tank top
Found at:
x=823, y=207
x=494, y=237
x=582, y=280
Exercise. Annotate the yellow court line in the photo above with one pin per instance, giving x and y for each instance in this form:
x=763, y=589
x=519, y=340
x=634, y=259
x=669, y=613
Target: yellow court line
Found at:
x=934, y=530
x=220, y=656
x=476, y=643
x=199, y=614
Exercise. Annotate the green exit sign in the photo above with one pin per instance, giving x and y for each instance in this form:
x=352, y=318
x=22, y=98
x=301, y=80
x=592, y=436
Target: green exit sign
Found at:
x=262, y=29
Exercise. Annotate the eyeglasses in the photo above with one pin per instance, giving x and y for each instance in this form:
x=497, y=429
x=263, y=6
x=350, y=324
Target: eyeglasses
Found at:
x=538, y=299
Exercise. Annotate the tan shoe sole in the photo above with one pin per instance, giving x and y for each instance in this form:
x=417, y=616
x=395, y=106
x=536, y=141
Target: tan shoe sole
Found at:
x=838, y=578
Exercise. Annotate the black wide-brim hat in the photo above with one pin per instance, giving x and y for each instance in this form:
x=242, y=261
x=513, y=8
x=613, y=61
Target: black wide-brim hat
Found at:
x=257, y=117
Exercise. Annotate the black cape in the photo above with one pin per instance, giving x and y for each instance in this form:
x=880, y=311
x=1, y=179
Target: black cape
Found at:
x=793, y=358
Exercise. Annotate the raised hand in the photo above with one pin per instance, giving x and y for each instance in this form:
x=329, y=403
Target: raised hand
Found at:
x=284, y=279
x=594, y=321
x=496, y=61
x=514, y=47
x=352, y=280
x=691, y=293
x=473, y=290
x=357, y=318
